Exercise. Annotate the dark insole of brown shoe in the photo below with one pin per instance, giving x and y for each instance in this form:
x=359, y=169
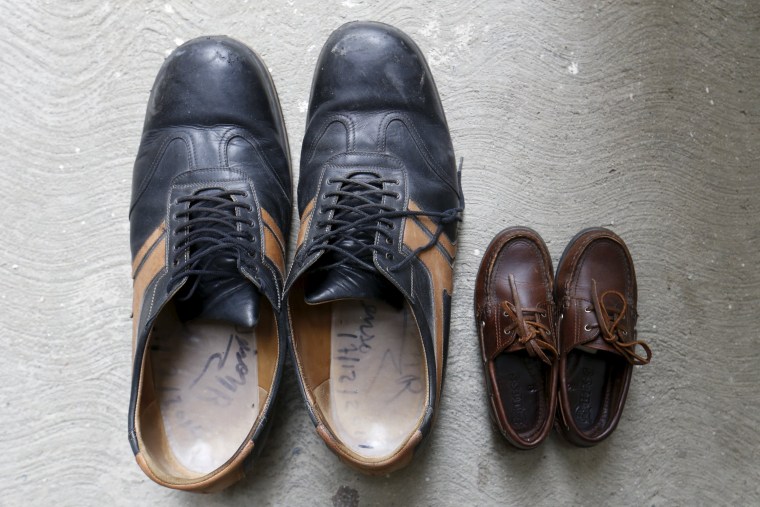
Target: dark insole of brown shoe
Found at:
x=521, y=386
x=590, y=377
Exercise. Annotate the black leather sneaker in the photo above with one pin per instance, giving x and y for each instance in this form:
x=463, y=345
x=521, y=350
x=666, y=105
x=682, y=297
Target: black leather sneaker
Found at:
x=369, y=292
x=209, y=219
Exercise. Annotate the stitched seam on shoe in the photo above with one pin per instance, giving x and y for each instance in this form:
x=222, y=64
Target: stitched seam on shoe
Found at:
x=246, y=136
x=145, y=183
x=344, y=120
x=408, y=123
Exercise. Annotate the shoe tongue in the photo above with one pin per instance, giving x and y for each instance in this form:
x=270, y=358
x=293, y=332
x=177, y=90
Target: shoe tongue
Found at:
x=226, y=295
x=347, y=282
x=230, y=298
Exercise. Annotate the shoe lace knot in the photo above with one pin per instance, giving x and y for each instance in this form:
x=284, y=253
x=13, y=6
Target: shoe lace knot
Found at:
x=610, y=324
x=533, y=334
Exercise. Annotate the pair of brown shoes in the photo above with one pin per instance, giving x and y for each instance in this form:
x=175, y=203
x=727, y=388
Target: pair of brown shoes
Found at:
x=571, y=342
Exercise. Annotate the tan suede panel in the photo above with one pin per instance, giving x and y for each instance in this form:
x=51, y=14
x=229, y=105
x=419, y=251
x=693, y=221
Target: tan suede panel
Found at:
x=153, y=263
x=443, y=240
x=154, y=236
x=305, y=220
x=441, y=273
x=274, y=243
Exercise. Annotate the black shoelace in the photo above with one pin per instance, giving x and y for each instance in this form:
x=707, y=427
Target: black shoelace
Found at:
x=211, y=230
x=359, y=215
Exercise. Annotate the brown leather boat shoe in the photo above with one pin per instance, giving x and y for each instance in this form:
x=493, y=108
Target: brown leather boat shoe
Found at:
x=596, y=292
x=515, y=314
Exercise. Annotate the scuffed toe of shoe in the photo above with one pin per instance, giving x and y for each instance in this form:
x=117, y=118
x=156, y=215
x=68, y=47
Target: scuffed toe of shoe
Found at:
x=212, y=80
x=367, y=65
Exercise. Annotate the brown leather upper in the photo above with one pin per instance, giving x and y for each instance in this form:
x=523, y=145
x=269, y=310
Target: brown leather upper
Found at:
x=596, y=292
x=515, y=312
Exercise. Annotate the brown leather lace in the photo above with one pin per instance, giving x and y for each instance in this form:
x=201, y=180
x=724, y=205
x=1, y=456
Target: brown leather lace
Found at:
x=608, y=324
x=532, y=334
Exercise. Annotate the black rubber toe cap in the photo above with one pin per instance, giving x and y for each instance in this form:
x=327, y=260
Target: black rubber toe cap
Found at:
x=369, y=66
x=212, y=81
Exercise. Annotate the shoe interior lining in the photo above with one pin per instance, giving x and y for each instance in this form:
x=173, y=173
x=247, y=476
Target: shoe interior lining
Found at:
x=592, y=380
x=364, y=363
x=521, y=383
x=204, y=384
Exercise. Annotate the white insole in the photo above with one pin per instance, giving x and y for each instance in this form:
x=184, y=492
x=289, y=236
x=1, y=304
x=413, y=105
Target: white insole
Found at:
x=378, y=376
x=206, y=381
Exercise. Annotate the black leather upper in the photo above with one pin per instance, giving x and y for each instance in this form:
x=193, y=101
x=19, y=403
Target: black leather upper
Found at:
x=375, y=109
x=213, y=122
x=212, y=116
x=374, y=93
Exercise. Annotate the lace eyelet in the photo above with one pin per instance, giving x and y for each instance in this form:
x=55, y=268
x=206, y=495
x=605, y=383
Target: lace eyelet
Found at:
x=543, y=314
x=389, y=241
x=625, y=333
x=586, y=327
x=505, y=331
x=388, y=256
x=504, y=314
x=396, y=182
x=329, y=181
x=587, y=309
x=398, y=196
x=548, y=332
x=324, y=196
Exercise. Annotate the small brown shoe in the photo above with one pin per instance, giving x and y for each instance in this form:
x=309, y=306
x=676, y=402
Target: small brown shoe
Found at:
x=515, y=314
x=596, y=292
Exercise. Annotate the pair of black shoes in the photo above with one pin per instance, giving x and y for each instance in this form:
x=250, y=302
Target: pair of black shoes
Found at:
x=365, y=305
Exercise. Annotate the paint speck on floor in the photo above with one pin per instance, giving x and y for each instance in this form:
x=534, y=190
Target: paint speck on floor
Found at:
x=345, y=497
x=573, y=68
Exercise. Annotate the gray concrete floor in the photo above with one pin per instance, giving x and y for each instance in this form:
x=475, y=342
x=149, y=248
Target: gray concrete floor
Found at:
x=641, y=116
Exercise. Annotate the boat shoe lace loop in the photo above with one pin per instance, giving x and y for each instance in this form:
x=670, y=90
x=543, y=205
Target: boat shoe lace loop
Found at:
x=533, y=334
x=609, y=324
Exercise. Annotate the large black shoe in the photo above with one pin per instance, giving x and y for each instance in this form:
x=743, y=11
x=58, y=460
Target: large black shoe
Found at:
x=209, y=218
x=369, y=292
